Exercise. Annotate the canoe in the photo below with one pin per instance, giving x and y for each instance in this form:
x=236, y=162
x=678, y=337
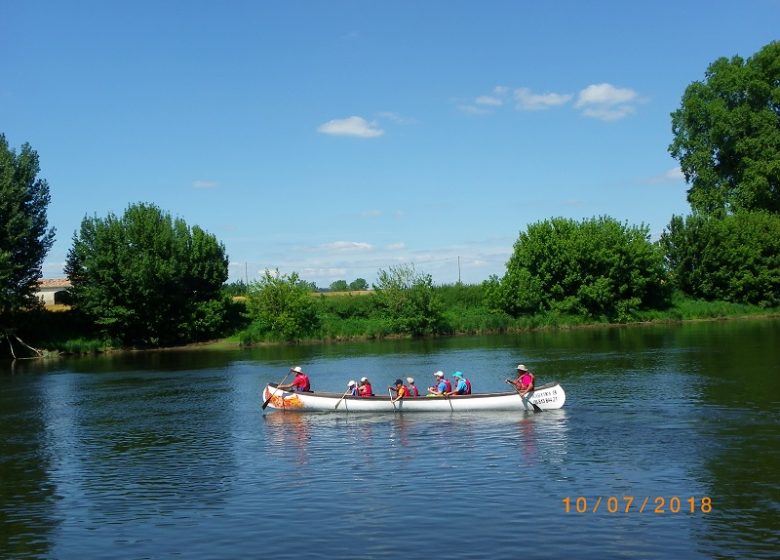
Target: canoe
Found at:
x=546, y=397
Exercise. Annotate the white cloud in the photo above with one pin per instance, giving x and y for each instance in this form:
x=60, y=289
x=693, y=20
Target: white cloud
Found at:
x=395, y=246
x=371, y=214
x=351, y=126
x=346, y=246
x=606, y=102
x=203, y=184
x=489, y=100
x=529, y=101
x=673, y=175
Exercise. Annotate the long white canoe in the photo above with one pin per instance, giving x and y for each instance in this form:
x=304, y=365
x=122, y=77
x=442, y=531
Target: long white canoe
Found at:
x=547, y=397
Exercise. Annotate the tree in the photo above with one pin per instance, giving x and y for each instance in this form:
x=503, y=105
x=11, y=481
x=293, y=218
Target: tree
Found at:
x=732, y=258
x=408, y=300
x=24, y=234
x=595, y=268
x=148, y=279
x=358, y=285
x=282, y=306
x=339, y=286
x=727, y=135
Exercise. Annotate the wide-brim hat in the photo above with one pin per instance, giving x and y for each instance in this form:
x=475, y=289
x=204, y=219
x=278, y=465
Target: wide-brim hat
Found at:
x=521, y=367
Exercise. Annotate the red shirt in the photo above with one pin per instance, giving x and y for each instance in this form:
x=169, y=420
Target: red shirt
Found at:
x=301, y=382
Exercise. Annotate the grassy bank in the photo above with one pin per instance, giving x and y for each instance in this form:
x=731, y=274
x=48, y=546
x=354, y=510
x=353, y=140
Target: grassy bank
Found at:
x=354, y=316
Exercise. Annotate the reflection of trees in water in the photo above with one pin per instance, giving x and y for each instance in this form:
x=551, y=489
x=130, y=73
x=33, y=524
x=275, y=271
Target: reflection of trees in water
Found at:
x=745, y=489
x=27, y=495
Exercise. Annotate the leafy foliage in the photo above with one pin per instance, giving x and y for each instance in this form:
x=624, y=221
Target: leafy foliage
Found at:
x=408, y=300
x=358, y=285
x=339, y=286
x=148, y=279
x=727, y=135
x=282, y=306
x=594, y=268
x=734, y=258
x=24, y=235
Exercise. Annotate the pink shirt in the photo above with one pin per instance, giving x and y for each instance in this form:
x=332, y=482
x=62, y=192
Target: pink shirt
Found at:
x=301, y=382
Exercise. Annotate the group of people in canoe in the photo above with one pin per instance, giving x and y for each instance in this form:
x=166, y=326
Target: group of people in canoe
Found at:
x=442, y=387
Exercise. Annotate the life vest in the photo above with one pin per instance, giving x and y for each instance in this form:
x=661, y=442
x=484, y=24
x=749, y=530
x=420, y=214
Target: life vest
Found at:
x=365, y=390
x=468, y=386
x=413, y=391
x=447, y=386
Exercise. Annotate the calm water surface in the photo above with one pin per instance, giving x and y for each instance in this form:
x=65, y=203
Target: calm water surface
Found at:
x=168, y=455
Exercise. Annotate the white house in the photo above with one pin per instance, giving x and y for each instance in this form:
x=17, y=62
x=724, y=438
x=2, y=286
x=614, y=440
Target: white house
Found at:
x=51, y=291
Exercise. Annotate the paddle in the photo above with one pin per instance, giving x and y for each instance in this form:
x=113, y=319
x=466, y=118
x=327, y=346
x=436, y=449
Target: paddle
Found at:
x=523, y=397
x=265, y=404
x=342, y=398
x=390, y=392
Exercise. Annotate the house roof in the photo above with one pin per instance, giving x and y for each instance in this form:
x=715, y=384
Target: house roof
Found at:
x=54, y=283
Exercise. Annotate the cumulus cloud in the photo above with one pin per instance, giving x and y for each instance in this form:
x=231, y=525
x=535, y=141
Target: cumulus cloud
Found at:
x=351, y=126
x=606, y=102
x=529, y=101
x=489, y=100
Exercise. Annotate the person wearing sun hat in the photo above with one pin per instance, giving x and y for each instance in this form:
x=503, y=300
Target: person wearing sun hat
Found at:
x=442, y=385
x=300, y=384
x=462, y=385
x=352, y=388
x=413, y=390
x=524, y=382
x=364, y=388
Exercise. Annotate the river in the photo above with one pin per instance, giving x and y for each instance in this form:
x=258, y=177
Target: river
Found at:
x=668, y=447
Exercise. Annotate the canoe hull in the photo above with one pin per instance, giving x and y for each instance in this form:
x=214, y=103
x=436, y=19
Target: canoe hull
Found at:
x=548, y=397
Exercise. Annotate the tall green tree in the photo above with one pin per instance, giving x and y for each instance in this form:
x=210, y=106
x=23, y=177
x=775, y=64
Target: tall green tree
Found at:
x=727, y=135
x=595, y=268
x=358, y=285
x=281, y=306
x=25, y=237
x=339, y=286
x=148, y=279
x=408, y=301
x=732, y=258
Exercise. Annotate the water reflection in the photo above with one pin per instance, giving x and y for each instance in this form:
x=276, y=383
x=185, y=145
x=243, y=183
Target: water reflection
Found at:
x=172, y=456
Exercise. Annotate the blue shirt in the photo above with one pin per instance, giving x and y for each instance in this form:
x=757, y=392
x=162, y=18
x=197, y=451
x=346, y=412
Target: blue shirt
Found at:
x=461, y=388
x=442, y=386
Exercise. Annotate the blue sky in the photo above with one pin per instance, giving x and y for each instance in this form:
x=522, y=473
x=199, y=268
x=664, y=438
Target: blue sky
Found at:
x=337, y=138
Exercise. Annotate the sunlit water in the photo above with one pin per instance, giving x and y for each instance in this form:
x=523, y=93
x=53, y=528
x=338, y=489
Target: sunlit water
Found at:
x=169, y=455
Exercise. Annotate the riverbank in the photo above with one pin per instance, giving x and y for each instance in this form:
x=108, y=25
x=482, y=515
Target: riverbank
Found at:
x=347, y=318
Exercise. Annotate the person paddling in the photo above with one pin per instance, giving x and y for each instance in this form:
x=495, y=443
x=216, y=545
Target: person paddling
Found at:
x=301, y=383
x=399, y=389
x=352, y=388
x=524, y=383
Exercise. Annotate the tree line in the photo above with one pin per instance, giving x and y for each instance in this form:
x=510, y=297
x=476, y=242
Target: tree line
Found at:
x=147, y=279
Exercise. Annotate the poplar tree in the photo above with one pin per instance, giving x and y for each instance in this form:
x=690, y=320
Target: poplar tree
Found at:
x=25, y=236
